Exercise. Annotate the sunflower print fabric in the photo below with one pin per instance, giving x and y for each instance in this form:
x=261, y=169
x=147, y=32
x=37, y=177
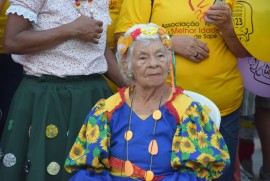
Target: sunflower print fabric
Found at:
x=197, y=146
x=90, y=150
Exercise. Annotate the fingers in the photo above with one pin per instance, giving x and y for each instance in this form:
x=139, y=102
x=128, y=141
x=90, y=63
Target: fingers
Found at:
x=96, y=38
x=217, y=15
x=98, y=31
x=90, y=29
x=99, y=23
x=215, y=19
x=198, y=57
x=200, y=52
x=188, y=46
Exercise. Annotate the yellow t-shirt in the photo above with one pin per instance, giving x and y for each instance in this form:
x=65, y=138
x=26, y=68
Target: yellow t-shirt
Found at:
x=3, y=19
x=217, y=77
x=114, y=8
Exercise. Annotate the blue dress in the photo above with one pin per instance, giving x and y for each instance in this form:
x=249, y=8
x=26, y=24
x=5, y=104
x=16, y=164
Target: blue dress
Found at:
x=189, y=145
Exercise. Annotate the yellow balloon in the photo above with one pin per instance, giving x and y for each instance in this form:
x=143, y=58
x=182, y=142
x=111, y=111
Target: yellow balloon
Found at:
x=251, y=20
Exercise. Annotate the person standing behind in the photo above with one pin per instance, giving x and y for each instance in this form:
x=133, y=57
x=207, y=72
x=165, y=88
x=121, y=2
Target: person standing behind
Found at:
x=206, y=49
x=262, y=123
x=10, y=72
x=62, y=47
x=114, y=9
x=246, y=135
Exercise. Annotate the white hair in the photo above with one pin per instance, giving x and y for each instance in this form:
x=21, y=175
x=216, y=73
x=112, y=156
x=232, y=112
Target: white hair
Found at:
x=142, y=38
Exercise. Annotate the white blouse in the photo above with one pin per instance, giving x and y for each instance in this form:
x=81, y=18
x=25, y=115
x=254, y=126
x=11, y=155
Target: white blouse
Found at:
x=72, y=57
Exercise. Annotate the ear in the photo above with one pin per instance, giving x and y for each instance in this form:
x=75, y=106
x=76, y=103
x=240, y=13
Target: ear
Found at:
x=124, y=65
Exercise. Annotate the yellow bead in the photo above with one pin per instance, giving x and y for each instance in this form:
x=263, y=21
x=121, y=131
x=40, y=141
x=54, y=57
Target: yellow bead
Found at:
x=149, y=175
x=153, y=147
x=157, y=115
x=128, y=135
x=128, y=168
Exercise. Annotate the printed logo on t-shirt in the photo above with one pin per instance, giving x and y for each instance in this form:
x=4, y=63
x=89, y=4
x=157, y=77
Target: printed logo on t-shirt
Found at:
x=196, y=28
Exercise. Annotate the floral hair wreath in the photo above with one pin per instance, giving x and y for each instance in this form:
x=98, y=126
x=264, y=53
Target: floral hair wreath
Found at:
x=124, y=42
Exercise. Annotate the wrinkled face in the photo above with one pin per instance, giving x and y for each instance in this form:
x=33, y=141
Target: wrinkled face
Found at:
x=150, y=63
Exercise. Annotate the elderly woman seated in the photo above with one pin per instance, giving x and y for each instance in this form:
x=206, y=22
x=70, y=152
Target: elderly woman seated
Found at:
x=150, y=130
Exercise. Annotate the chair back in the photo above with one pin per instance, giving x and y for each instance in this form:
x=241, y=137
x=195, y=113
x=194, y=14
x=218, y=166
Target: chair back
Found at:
x=208, y=105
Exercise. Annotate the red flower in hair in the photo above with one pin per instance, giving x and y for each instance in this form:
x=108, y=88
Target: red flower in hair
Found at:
x=135, y=33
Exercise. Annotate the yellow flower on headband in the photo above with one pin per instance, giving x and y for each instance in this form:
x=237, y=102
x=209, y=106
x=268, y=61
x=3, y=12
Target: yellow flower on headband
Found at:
x=165, y=38
x=149, y=31
x=162, y=31
x=167, y=41
x=123, y=44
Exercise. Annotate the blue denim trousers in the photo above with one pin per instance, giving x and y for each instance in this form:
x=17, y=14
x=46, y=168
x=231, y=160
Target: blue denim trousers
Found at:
x=229, y=129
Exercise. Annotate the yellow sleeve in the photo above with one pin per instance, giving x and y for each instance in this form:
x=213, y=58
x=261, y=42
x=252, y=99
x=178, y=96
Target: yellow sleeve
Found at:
x=133, y=12
x=3, y=19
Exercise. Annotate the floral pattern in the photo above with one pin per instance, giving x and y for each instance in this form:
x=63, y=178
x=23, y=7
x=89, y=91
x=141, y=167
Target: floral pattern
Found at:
x=202, y=146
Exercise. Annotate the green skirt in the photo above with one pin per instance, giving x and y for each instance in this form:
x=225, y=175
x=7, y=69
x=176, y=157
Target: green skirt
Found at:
x=45, y=117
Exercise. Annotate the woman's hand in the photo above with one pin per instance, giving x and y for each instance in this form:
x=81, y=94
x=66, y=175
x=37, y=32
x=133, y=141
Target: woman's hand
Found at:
x=220, y=15
x=87, y=29
x=190, y=48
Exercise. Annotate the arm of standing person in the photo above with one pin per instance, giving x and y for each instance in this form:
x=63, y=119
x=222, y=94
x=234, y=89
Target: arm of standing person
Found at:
x=113, y=72
x=20, y=39
x=222, y=18
x=2, y=3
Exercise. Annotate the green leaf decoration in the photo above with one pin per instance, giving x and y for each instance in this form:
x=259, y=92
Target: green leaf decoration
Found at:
x=101, y=116
x=225, y=147
x=218, y=157
x=185, y=156
x=192, y=117
x=72, y=162
x=86, y=151
x=101, y=125
x=67, y=162
x=184, y=129
x=211, y=151
x=96, y=152
x=206, y=150
x=173, y=155
x=208, y=127
x=92, y=121
x=103, y=133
